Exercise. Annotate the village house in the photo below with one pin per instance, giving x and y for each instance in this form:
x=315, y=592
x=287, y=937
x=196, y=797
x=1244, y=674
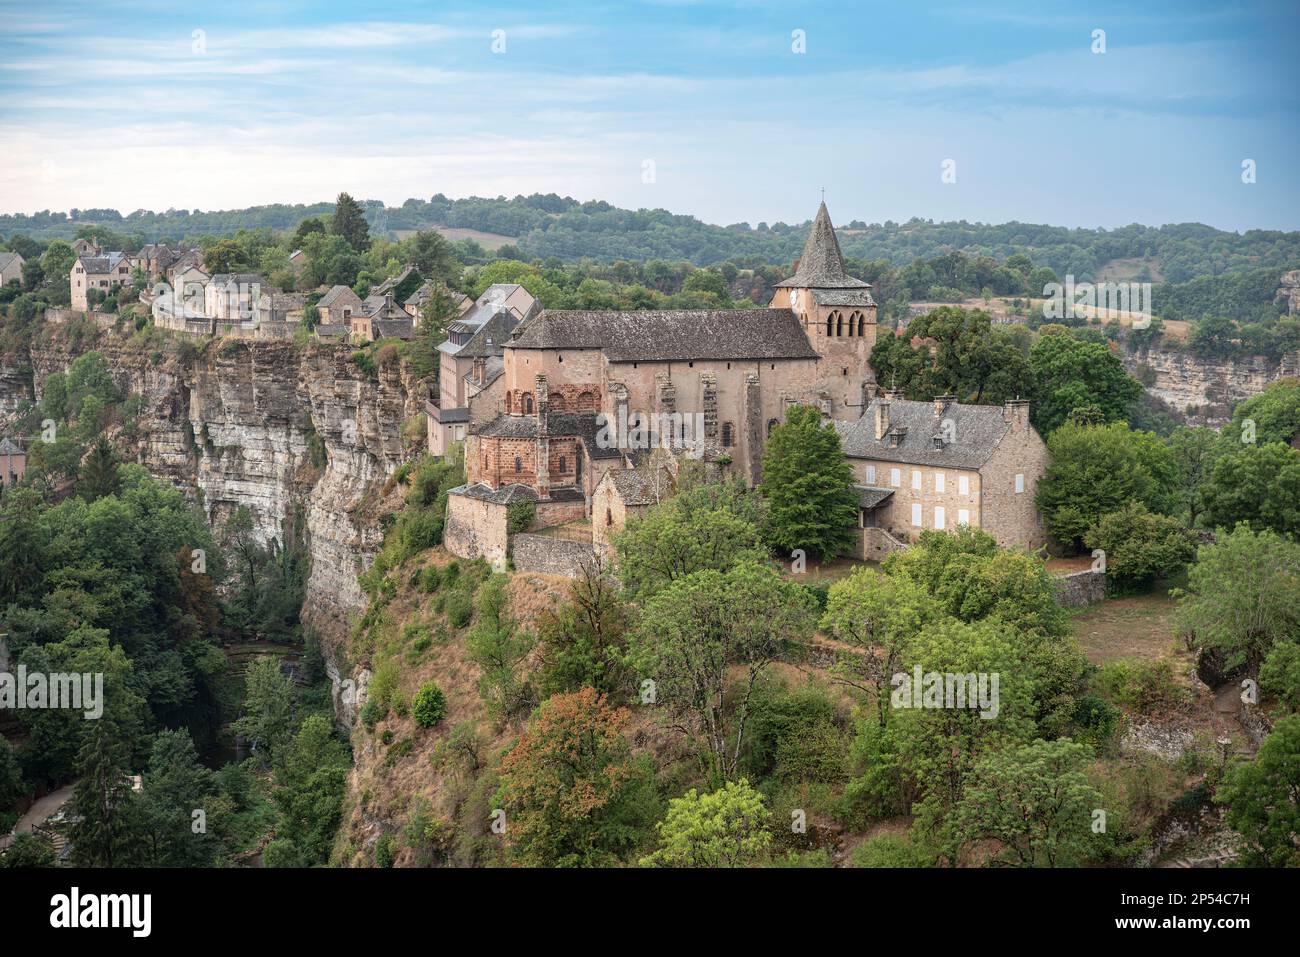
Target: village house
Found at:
x=280, y=307
x=470, y=360
x=414, y=303
x=11, y=268
x=234, y=297
x=338, y=306
x=381, y=317
x=627, y=493
x=103, y=272
x=938, y=465
x=13, y=463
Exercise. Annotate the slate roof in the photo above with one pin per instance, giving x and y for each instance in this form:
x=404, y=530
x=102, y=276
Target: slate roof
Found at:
x=977, y=432
x=504, y=495
x=497, y=329
x=493, y=369
x=869, y=496
x=392, y=282
x=637, y=487
x=327, y=330
x=399, y=328
x=822, y=265
x=8, y=448
x=238, y=278
x=333, y=296
x=669, y=335
x=582, y=425
x=7, y=258
x=99, y=265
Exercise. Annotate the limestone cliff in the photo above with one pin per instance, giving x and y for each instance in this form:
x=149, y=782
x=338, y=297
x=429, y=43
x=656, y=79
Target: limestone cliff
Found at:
x=298, y=434
x=1204, y=389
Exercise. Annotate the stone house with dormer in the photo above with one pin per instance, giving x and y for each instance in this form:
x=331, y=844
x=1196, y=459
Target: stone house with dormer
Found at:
x=103, y=272
x=938, y=465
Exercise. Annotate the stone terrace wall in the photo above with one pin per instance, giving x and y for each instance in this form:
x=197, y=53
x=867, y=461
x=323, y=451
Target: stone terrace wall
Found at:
x=549, y=556
x=1081, y=588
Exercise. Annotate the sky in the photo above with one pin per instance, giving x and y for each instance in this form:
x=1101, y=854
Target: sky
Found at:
x=729, y=111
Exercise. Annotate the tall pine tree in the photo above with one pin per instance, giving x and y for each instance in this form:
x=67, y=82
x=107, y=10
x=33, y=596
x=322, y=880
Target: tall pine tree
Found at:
x=809, y=486
x=350, y=223
x=99, y=476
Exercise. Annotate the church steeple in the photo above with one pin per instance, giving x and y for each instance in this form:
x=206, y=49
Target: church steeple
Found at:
x=822, y=263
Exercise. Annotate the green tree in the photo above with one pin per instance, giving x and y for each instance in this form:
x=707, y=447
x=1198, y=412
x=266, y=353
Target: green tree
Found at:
x=727, y=828
x=1140, y=545
x=1097, y=469
x=98, y=476
x=499, y=649
x=429, y=706
x=1034, y=800
x=1195, y=450
x=878, y=614
x=1259, y=485
x=309, y=788
x=107, y=829
x=1240, y=596
x=28, y=850
x=697, y=628
x=349, y=222
x=584, y=640
x=1279, y=675
x=809, y=486
x=267, y=718
x=1263, y=799
x=1070, y=373
x=175, y=786
x=1274, y=414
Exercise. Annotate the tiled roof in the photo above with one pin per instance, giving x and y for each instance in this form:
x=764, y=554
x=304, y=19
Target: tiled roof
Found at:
x=669, y=335
x=327, y=330
x=101, y=264
x=398, y=328
x=8, y=448
x=842, y=297
x=976, y=432
x=822, y=265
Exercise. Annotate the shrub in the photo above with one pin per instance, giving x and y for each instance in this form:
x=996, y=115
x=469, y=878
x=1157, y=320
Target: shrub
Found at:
x=384, y=851
x=519, y=515
x=459, y=609
x=430, y=579
x=429, y=706
x=1280, y=673
x=1096, y=719
x=281, y=853
x=1144, y=687
x=890, y=850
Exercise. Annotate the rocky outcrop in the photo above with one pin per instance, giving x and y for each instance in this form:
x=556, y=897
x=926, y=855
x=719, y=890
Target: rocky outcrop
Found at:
x=1204, y=388
x=300, y=435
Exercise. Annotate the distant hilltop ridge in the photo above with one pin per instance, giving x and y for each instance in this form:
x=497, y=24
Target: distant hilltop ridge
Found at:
x=543, y=226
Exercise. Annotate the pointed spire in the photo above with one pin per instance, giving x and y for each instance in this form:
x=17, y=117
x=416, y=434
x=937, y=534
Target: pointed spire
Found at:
x=822, y=263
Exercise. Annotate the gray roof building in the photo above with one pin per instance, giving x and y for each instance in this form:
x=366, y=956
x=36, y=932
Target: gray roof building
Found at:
x=918, y=433
x=669, y=335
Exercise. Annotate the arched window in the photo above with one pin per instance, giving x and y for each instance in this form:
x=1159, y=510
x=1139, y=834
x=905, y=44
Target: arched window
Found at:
x=726, y=435
x=528, y=403
x=609, y=517
x=557, y=403
x=839, y=324
x=771, y=424
x=862, y=324
x=830, y=325
x=562, y=468
x=586, y=402
x=510, y=401
x=519, y=464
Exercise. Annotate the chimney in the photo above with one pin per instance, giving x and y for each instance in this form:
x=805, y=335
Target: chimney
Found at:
x=479, y=370
x=941, y=403
x=882, y=418
x=1016, y=411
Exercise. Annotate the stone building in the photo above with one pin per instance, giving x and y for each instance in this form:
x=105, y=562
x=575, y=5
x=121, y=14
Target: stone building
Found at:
x=11, y=268
x=581, y=396
x=234, y=297
x=941, y=464
x=470, y=361
x=13, y=463
x=102, y=271
x=338, y=306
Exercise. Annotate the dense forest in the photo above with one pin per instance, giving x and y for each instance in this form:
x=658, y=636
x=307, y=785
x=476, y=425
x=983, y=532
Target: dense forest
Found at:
x=551, y=226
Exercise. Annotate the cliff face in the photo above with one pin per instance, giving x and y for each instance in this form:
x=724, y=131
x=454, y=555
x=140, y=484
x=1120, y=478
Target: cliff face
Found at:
x=301, y=436
x=1188, y=383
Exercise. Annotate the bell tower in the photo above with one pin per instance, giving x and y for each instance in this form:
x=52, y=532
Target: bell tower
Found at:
x=837, y=314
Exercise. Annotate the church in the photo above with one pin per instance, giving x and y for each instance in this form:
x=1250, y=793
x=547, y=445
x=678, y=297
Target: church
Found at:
x=546, y=422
